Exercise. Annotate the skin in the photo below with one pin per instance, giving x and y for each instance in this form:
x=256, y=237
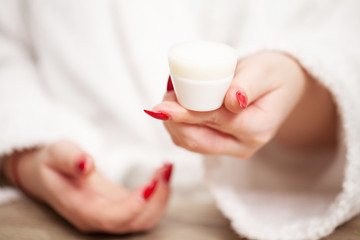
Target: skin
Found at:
x=86, y=198
x=284, y=103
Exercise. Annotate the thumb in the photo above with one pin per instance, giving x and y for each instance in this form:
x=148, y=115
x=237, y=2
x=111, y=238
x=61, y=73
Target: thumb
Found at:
x=247, y=86
x=236, y=98
x=69, y=159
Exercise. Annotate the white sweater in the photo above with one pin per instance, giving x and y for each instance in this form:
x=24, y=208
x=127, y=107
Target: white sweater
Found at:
x=84, y=70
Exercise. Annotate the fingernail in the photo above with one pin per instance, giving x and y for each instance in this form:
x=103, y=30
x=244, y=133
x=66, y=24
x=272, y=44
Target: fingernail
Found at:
x=149, y=190
x=170, y=86
x=81, y=163
x=242, y=98
x=166, y=175
x=157, y=115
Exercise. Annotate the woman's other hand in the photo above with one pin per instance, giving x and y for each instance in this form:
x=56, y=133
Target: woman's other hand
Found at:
x=270, y=96
x=64, y=176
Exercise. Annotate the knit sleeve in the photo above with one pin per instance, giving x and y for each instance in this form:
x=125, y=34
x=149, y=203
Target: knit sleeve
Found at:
x=28, y=116
x=280, y=195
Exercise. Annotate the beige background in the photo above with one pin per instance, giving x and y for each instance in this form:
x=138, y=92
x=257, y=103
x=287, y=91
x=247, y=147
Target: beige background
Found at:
x=27, y=219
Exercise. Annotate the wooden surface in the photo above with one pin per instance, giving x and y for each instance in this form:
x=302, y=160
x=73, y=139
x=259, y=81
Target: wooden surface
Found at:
x=26, y=219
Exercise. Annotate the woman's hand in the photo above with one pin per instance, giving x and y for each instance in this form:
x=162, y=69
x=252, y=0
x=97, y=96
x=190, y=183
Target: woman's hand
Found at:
x=64, y=176
x=270, y=95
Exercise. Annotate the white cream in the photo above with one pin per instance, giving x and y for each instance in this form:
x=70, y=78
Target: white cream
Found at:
x=201, y=73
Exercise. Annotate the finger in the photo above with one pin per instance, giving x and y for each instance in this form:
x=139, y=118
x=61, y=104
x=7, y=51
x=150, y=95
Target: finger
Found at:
x=170, y=96
x=106, y=187
x=251, y=127
x=92, y=210
x=169, y=87
x=206, y=140
x=69, y=159
x=120, y=218
x=156, y=206
x=176, y=113
x=115, y=217
x=103, y=214
x=170, y=109
x=249, y=84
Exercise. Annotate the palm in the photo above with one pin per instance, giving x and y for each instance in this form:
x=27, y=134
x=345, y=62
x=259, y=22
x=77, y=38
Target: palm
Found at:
x=82, y=197
x=86, y=198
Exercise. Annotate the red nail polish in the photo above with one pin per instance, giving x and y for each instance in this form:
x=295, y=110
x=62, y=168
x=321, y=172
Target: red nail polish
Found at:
x=242, y=98
x=149, y=190
x=170, y=86
x=166, y=175
x=81, y=163
x=157, y=115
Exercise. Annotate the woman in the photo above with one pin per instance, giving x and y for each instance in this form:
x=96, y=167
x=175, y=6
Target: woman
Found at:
x=83, y=71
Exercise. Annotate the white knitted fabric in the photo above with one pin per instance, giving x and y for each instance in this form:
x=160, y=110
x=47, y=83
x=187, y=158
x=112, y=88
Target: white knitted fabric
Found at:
x=84, y=70
x=329, y=51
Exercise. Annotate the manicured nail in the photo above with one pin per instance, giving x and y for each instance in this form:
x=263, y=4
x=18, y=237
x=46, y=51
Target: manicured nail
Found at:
x=170, y=86
x=157, y=115
x=166, y=175
x=81, y=163
x=149, y=190
x=242, y=98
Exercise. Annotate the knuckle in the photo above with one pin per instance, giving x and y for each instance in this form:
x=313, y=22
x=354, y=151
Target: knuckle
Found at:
x=134, y=227
x=261, y=139
x=134, y=209
x=83, y=228
x=48, y=187
x=53, y=149
x=149, y=226
x=186, y=141
x=190, y=143
x=213, y=119
x=105, y=224
x=176, y=141
x=56, y=147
